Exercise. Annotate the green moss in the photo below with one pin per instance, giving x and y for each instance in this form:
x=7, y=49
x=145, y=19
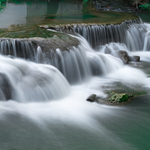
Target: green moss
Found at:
x=118, y=98
x=114, y=97
x=145, y=6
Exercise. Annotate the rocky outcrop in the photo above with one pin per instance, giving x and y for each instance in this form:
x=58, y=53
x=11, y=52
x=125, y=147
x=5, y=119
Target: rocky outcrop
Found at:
x=27, y=47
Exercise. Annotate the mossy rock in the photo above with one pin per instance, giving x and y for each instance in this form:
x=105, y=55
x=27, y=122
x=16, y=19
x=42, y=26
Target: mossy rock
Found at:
x=118, y=98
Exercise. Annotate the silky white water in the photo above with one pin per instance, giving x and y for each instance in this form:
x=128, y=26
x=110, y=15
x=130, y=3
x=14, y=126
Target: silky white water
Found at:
x=46, y=111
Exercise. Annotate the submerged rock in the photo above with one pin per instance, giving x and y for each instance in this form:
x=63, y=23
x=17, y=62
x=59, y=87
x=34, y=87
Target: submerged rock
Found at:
x=135, y=58
x=91, y=98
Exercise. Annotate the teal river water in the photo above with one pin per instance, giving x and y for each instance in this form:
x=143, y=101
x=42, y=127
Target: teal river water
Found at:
x=70, y=123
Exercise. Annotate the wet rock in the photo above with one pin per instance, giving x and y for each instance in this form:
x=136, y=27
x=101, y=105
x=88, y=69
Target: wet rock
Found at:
x=135, y=58
x=123, y=55
x=118, y=98
x=91, y=98
x=5, y=88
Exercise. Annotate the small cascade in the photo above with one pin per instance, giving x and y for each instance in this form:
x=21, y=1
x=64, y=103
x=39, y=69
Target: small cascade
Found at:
x=39, y=54
x=112, y=48
x=135, y=37
x=147, y=42
x=25, y=81
x=82, y=62
x=17, y=48
x=77, y=64
x=131, y=33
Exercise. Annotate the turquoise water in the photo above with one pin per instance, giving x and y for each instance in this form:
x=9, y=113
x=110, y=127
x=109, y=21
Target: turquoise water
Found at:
x=145, y=16
x=22, y=18
x=115, y=128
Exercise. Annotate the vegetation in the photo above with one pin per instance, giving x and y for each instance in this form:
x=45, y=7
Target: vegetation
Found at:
x=119, y=97
x=2, y=3
x=143, y=4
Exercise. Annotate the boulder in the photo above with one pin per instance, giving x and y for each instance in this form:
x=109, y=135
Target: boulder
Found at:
x=135, y=58
x=91, y=98
x=123, y=55
x=5, y=88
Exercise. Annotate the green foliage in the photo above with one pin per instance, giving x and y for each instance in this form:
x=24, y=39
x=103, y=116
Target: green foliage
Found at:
x=85, y=2
x=2, y=1
x=2, y=4
x=145, y=6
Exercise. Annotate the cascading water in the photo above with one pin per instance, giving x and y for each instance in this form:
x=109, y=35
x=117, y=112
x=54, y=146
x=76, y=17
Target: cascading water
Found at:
x=130, y=33
x=70, y=122
x=27, y=81
x=17, y=48
x=77, y=64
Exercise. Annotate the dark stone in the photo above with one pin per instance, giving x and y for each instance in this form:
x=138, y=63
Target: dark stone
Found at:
x=123, y=55
x=135, y=58
x=5, y=88
x=91, y=98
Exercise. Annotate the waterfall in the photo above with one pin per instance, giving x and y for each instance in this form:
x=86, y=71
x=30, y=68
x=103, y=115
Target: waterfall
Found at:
x=17, y=48
x=26, y=81
x=39, y=79
x=147, y=42
x=130, y=33
x=77, y=64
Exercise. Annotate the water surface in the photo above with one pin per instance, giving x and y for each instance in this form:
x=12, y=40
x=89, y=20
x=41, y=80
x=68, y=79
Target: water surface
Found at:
x=22, y=19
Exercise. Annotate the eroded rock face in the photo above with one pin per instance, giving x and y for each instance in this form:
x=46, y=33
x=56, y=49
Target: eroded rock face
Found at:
x=5, y=88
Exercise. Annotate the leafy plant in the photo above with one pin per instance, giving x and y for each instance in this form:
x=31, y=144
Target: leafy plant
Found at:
x=2, y=3
x=145, y=6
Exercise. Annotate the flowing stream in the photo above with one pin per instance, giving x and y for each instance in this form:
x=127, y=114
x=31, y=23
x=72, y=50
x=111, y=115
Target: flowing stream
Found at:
x=43, y=99
x=46, y=112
